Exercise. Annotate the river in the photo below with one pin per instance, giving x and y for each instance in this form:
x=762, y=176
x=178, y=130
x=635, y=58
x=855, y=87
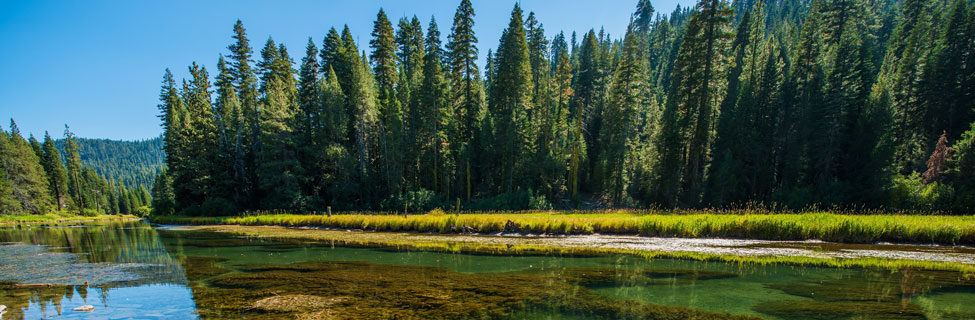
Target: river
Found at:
x=134, y=270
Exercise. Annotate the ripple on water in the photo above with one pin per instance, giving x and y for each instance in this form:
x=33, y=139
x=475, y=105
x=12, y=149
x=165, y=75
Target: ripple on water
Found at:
x=28, y=263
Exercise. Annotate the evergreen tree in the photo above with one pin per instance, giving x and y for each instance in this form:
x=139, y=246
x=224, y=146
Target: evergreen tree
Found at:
x=200, y=139
x=245, y=82
x=411, y=54
x=229, y=158
x=439, y=128
x=467, y=97
x=73, y=164
x=949, y=79
x=56, y=173
x=689, y=116
x=25, y=183
x=391, y=139
x=278, y=166
x=584, y=105
x=621, y=132
x=511, y=102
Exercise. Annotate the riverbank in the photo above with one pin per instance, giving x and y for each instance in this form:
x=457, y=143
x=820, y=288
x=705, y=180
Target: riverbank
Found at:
x=752, y=252
x=926, y=229
x=58, y=218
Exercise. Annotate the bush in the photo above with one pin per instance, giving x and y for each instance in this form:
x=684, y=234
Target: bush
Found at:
x=412, y=201
x=142, y=211
x=216, y=207
x=517, y=200
x=910, y=193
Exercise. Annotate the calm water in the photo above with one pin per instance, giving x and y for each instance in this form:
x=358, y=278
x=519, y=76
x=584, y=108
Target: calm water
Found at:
x=136, y=271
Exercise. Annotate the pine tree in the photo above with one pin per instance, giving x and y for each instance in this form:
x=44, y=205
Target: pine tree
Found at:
x=743, y=169
x=245, y=82
x=26, y=185
x=229, y=158
x=938, y=162
x=511, y=102
x=467, y=99
x=199, y=143
x=436, y=133
x=278, y=166
x=899, y=87
x=56, y=173
x=689, y=116
x=624, y=126
x=74, y=170
x=949, y=81
x=584, y=105
x=383, y=59
x=411, y=55
x=961, y=172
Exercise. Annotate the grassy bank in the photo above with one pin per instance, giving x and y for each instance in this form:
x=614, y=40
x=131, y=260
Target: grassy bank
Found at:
x=534, y=246
x=57, y=218
x=822, y=226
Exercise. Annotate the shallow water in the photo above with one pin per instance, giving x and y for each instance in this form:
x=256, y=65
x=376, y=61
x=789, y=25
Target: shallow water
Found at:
x=133, y=270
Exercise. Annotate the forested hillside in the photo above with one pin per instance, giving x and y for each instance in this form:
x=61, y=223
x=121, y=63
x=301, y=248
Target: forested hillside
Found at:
x=131, y=163
x=35, y=180
x=849, y=103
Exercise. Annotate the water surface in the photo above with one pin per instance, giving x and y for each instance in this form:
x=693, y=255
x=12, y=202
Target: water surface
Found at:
x=134, y=270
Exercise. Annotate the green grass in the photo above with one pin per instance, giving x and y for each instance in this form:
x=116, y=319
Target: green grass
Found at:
x=54, y=218
x=793, y=226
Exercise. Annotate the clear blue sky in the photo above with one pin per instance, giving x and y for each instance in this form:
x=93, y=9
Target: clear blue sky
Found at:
x=97, y=65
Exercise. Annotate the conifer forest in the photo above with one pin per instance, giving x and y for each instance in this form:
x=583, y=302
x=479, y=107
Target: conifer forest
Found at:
x=786, y=104
x=789, y=103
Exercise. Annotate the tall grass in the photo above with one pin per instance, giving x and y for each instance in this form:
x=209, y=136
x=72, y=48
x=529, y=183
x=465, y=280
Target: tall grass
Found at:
x=57, y=217
x=791, y=226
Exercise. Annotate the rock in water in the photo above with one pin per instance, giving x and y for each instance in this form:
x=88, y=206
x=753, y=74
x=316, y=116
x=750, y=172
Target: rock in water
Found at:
x=3, y=309
x=85, y=308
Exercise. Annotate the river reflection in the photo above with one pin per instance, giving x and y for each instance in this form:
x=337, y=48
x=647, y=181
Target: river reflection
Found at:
x=136, y=271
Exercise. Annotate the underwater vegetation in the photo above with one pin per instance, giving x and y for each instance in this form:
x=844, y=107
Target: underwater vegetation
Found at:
x=361, y=290
x=773, y=226
x=881, y=295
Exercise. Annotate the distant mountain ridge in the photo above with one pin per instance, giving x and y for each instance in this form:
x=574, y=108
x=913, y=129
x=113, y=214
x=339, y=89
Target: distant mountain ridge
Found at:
x=133, y=163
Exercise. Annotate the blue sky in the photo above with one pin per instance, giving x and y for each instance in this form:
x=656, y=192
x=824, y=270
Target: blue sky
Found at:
x=97, y=65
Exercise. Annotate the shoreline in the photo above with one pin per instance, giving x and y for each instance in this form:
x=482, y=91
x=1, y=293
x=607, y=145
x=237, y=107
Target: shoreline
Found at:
x=22, y=220
x=828, y=227
x=758, y=252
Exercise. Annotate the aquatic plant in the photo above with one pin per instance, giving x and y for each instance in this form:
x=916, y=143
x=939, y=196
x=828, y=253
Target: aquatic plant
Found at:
x=879, y=295
x=361, y=290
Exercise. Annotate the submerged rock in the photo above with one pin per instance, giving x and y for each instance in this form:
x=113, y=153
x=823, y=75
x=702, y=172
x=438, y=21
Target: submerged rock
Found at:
x=84, y=308
x=296, y=302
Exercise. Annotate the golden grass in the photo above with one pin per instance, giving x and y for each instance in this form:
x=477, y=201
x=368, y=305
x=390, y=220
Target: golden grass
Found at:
x=58, y=218
x=789, y=226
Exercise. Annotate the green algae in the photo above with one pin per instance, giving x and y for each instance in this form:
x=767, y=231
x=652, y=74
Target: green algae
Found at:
x=361, y=290
x=198, y=268
x=879, y=295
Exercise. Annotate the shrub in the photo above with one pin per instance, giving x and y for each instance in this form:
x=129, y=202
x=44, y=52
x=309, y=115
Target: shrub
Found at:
x=412, y=201
x=516, y=200
x=142, y=211
x=910, y=193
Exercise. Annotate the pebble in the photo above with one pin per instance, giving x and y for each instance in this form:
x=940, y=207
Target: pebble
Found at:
x=85, y=308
